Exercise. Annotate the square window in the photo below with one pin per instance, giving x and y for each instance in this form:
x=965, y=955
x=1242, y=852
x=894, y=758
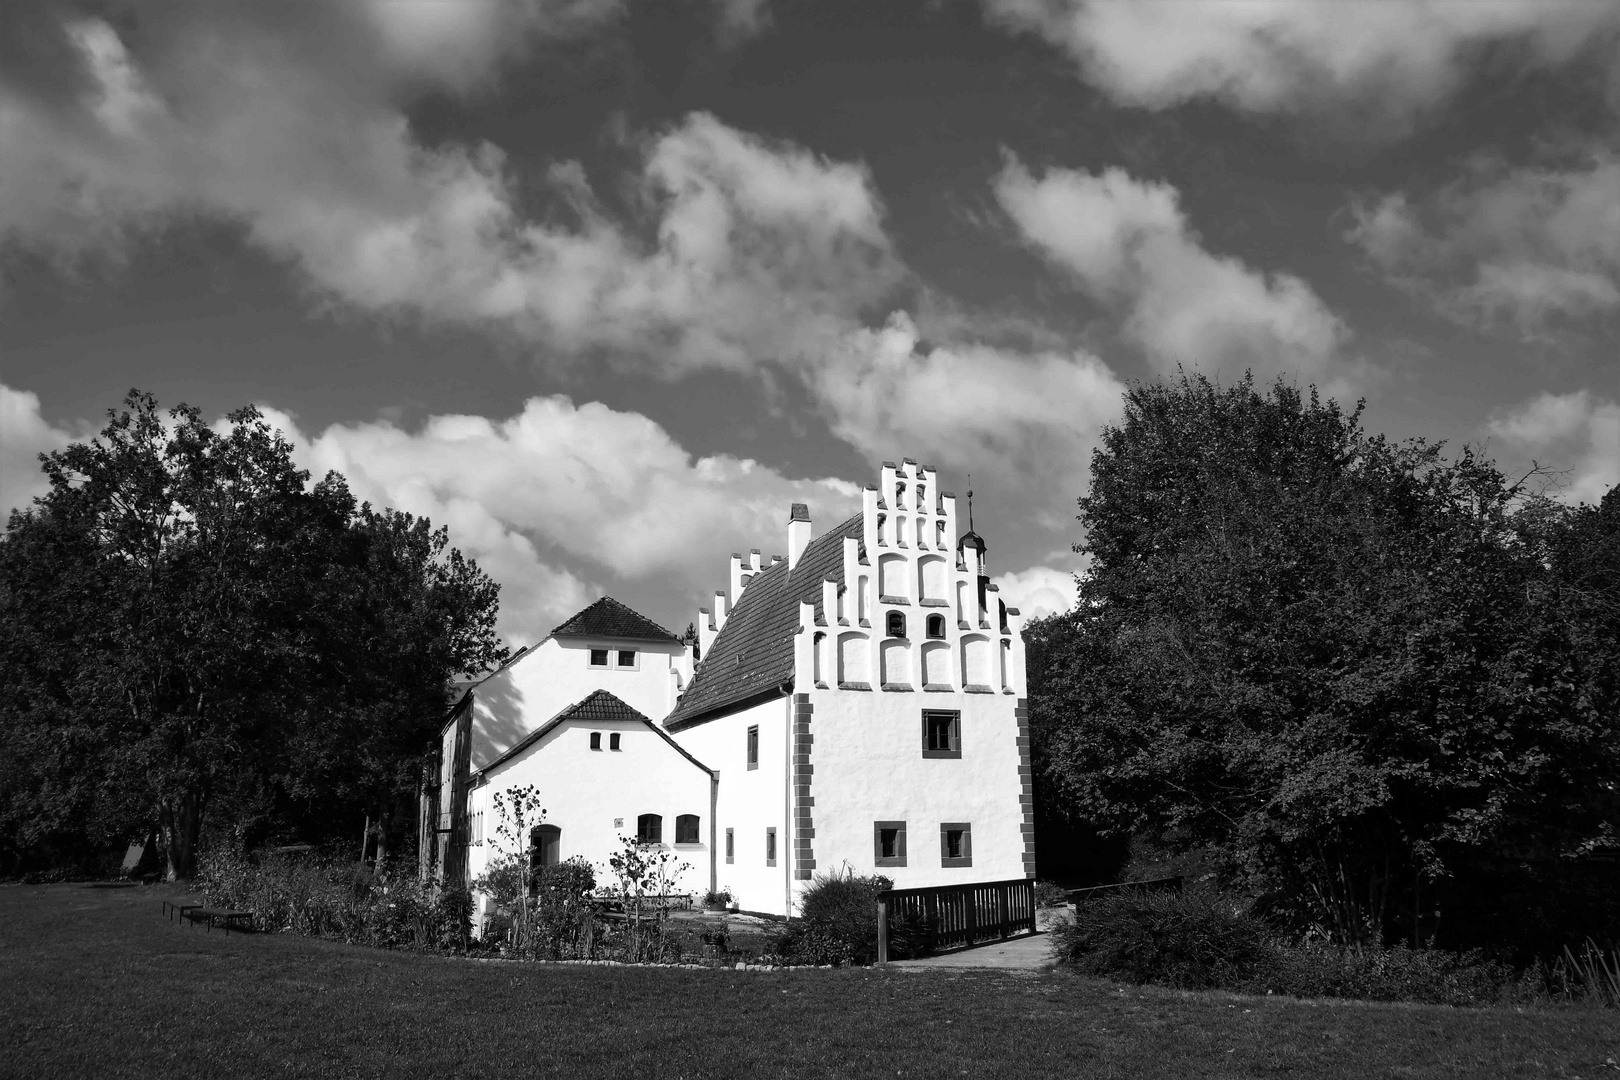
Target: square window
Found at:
x=613, y=741
x=889, y=843
x=599, y=657
x=753, y=747
x=627, y=658
x=941, y=733
x=770, y=847
x=596, y=740
x=686, y=829
x=731, y=846
x=955, y=843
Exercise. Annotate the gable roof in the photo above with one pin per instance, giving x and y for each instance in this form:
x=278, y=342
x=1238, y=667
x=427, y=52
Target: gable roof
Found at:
x=760, y=631
x=600, y=707
x=610, y=619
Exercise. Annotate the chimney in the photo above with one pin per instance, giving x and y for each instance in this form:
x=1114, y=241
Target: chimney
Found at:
x=798, y=533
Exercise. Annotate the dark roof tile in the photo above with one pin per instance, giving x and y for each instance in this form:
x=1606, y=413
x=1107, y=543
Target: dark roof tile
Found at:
x=760, y=629
x=609, y=618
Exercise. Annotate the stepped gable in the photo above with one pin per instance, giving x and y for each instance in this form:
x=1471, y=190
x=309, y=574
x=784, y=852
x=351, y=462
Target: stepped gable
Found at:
x=761, y=629
x=607, y=618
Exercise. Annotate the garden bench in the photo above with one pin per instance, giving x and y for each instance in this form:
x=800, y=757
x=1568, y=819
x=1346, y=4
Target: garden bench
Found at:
x=212, y=917
x=178, y=908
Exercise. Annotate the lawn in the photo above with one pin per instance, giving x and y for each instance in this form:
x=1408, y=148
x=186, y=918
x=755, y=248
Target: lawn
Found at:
x=94, y=982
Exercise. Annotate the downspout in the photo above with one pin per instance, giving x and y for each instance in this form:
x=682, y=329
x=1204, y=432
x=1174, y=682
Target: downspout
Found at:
x=785, y=857
x=714, y=811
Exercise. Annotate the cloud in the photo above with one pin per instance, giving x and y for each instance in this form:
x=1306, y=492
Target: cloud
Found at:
x=24, y=435
x=1535, y=247
x=1389, y=59
x=1027, y=419
x=1039, y=591
x=607, y=493
x=1127, y=243
x=753, y=250
x=1578, y=431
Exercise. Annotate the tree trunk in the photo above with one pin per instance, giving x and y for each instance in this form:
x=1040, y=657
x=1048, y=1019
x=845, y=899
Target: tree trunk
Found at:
x=180, y=820
x=365, y=837
x=382, y=837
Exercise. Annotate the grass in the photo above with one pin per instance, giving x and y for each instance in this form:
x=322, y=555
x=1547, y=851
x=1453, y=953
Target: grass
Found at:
x=96, y=983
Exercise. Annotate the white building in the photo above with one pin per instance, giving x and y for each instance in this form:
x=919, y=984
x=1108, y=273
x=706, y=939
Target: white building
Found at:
x=859, y=705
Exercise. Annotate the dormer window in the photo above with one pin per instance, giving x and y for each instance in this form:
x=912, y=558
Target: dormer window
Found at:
x=936, y=626
x=896, y=624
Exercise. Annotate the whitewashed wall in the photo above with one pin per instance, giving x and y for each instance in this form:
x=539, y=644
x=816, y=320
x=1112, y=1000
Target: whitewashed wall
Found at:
x=750, y=801
x=595, y=796
x=556, y=674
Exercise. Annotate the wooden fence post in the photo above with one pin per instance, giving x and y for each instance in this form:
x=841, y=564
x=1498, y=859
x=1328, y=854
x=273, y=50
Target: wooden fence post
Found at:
x=883, y=930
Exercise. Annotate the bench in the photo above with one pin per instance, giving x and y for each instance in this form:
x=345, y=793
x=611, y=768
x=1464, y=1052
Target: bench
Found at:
x=174, y=908
x=223, y=917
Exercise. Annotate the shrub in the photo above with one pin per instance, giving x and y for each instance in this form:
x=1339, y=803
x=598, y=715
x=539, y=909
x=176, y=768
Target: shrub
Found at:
x=1433, y=976
x=1191, y=940
x=837, y=921
x=1050, y=894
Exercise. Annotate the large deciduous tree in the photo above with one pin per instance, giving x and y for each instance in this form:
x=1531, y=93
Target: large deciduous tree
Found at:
x=186, y=620
x=1352, y=667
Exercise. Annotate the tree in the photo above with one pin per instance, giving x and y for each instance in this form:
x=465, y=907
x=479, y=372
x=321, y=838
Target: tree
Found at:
x=1340, y=661
x=208, y=627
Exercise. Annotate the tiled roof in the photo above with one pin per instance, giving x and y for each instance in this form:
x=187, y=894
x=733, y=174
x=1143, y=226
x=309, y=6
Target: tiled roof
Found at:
x=600, y=707
x=760, y=630
x=607, y=618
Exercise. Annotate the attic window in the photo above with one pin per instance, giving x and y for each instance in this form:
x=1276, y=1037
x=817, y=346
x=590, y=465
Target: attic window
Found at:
x=613, y=741
x=627, y=658
x=599, y=658
x=596, y=740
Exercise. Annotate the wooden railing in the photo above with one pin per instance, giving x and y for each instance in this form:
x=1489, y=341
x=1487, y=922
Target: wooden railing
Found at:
x=953, y=916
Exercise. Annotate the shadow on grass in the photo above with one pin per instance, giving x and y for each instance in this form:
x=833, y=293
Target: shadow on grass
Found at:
x=97, y=983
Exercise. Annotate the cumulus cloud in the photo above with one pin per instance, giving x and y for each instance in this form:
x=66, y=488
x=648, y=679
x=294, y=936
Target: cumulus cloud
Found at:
x=1028, y=419
x=1391, y=58
x=24, y=435
x=1126, y=242
x=1578, y=431
x=756, y=250
x=1039, y=591
x=1535, y=247
x=564, y=485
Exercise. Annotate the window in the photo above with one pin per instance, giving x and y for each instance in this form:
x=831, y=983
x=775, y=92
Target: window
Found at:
x=889, y=843
x=599, y=658
x=649, y=829
x=627, y=658
x=613, y=741
x=936, y=626
x=770, y=847
x=686, y=829
x=896, y=624
x=922, y=497
x=955, y=843
x=544, y=842
x=942, y=733
x=753, y=747
x=596, y=740
x=731, y=846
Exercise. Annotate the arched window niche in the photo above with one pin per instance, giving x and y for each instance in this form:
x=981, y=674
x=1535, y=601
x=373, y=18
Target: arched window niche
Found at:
x=936, y=627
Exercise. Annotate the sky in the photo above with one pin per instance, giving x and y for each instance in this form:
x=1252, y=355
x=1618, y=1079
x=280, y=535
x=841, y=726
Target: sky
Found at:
x=605, y=286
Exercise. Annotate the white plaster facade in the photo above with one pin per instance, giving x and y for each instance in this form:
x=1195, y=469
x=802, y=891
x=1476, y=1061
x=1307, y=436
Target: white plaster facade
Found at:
x=859, y=706
x=888, y=617
x=594, y=791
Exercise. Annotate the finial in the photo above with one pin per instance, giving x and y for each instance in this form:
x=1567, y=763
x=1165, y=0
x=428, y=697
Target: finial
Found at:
x=970, y=502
